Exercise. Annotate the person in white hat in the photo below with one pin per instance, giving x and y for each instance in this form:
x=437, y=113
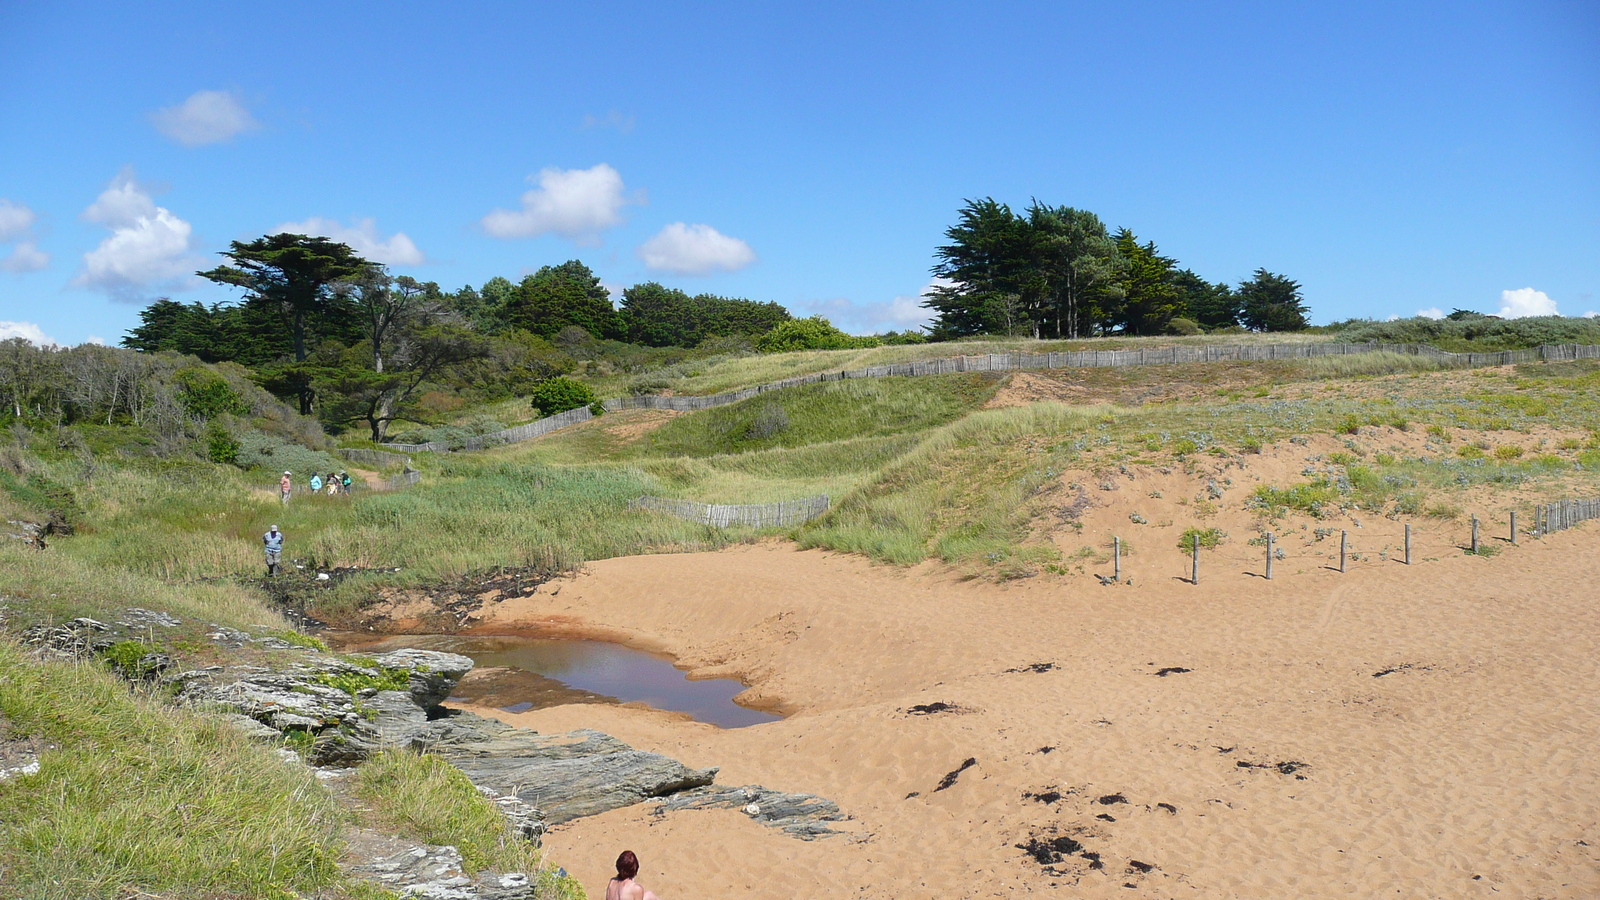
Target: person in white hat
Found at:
x=273, y=541
x=285, y=488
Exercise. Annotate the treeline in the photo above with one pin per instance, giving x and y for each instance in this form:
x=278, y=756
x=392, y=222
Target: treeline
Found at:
x=343, y=339
x=1057, y=272
x=109, y=400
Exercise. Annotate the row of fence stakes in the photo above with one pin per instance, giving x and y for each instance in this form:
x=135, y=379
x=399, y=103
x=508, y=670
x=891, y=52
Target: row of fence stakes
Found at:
x=1344, y=550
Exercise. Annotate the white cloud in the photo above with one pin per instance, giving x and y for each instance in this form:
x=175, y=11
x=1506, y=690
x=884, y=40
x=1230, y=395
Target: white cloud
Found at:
x=1431, y=313
x=362, y=237
x=16, y=224
x=27, y=331
x=1591, y=314
x=577, y=204
x=694, y=250
x=148, y=247
x=1524, y=302
x=207, y=117
x=15, y=220
x=25, y=257
x=612, y=119
x=1393, y=317
x=876, y=316
x=96, y=340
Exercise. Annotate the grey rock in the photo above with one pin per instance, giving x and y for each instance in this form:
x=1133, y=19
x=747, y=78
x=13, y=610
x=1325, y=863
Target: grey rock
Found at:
x=79, y=639
x=435, y=873
x=802, y=815
x=251, y=727
x=458, y=730
x=433, y=674
x=135, y=617
x=280, y=700
x=398, y=721
x=570, y=788
x=525, y=743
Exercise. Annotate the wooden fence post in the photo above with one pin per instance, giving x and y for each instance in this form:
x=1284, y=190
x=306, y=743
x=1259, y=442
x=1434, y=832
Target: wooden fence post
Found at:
x=1513, y=528
x=1269, y=556
x=1343, y=546
x=1474, y=534
x=1116, y=558
x=1194, y=569
x=1408, y=543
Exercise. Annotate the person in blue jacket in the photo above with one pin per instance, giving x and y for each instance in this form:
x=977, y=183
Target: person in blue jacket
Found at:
x=316, y=483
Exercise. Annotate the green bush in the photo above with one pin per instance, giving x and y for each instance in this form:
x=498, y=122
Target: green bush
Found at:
x=1182, y=326
x=815, y=333
x=559, y=394
x=220, y=445
x=204, y=394
x=1476, y=333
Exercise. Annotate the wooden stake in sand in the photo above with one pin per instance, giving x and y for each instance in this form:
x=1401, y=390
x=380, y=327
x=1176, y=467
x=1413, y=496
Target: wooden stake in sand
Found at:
x=1194, y=568
x=1116, y=559
x=1474, y=535
x=1269, y=556
x=1344, y=544
x=1408, y=543
x=1513, y=527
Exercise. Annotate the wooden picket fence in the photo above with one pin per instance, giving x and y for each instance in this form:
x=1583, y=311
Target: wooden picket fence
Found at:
x=1565, y=514
x=783, y=514
x=1021, y=361
x=378, y=458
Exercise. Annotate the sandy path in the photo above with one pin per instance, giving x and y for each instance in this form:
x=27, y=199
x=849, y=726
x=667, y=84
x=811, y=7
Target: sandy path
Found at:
x=1465, y=772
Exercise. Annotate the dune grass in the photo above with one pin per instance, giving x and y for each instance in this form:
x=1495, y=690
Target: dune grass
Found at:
x=138, y=795
x=427, y=799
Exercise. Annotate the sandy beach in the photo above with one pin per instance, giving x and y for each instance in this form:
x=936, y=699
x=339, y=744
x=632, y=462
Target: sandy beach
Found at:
x=1417, y=731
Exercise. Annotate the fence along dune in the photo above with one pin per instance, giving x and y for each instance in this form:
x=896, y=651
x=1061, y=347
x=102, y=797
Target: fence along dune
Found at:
x=1564, y=514
x=782, y=514
x=1017, y=361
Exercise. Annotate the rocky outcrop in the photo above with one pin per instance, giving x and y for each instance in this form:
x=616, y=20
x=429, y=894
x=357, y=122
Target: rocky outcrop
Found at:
x=342, y=706
x=433, y=674
x=427, y=872
x=804, y=816
x=573, y=787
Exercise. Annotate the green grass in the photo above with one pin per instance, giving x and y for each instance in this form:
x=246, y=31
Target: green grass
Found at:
x=142, y=796
x=822, y=413
x=426, y=798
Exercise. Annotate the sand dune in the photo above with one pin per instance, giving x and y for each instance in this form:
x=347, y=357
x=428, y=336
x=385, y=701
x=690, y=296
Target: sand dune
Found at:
x=1281, y=764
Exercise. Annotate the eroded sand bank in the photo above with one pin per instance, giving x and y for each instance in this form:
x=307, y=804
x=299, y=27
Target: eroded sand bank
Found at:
x=1394, y=731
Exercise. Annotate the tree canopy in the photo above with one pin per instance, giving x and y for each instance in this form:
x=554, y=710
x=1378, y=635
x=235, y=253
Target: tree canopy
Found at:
x=1056, y=272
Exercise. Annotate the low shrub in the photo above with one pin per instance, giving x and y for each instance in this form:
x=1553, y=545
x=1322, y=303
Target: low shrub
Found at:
x=557, y=395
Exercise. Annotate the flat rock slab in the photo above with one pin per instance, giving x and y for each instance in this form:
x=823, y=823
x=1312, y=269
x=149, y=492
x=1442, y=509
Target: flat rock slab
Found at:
x=427, y=872
x=570, y=788
x=804, y=816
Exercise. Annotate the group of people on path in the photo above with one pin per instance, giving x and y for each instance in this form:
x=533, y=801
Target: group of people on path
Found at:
x=334, y=484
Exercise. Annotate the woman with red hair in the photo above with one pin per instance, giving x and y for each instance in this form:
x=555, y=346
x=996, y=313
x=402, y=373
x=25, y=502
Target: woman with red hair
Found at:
x=623, y=887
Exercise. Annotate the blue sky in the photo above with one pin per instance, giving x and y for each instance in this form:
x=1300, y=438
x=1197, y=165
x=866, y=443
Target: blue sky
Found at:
x=1392, y=157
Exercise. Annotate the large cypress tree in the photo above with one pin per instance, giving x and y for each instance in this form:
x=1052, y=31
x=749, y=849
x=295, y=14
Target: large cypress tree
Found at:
x=556, y=297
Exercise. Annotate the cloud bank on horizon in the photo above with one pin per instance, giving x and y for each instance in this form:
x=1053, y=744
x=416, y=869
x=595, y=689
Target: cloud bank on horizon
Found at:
x=1521, y=303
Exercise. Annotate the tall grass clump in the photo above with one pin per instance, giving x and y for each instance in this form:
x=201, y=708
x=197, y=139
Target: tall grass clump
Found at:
x=426, y=798
x=1358, y=364
x=964, y=493
x=136, y=798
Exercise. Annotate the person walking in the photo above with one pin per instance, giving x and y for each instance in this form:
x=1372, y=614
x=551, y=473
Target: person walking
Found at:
x=623, y=887
x=285, y=488
x=316, y=483
x=344, y=482
x=333, y=484
x=273, y=542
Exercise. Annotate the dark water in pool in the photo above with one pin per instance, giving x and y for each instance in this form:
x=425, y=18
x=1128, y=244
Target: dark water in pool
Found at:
x=555, y=672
